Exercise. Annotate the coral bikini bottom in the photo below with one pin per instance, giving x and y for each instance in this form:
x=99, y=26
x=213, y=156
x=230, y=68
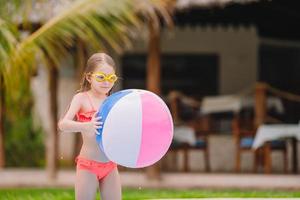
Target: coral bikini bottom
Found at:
x=100, y=169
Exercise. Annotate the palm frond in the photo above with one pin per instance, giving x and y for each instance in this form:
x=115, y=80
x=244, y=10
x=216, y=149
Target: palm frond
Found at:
x=92, y=21
x=95, y=22
x=8, y=41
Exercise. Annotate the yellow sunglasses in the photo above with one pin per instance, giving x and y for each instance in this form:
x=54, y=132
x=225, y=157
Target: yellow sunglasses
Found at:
x=101, y=77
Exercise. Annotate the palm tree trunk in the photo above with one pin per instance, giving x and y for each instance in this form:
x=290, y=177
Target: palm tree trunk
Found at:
x=153, y=82
x=2, y=108
x=52, y=139
x=81, y=55
x=153, y=60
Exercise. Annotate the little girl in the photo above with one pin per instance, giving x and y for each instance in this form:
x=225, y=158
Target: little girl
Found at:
x=93, y=168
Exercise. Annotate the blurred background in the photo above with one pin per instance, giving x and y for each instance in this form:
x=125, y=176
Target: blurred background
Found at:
x=229, y=71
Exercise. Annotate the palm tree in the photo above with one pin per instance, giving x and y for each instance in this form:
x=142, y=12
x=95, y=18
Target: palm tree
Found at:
x=94, y=22
x=7, y=41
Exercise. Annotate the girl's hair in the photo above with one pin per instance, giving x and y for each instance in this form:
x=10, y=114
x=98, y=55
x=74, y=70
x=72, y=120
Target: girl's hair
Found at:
x=94, y=61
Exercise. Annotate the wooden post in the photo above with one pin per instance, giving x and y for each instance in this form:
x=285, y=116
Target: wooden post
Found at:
x=260, y=103
x=52, y=139
x=260, y=117
x=206, y=123
x=153, y=82
x=173, y=97
x=267, y=158
x=294, y=156
x=186, y=158
x=2, y=108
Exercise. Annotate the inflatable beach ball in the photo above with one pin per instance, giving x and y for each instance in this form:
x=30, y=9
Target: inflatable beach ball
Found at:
x=137, y=128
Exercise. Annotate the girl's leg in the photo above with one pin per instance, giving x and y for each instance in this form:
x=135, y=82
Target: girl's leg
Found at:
x=110, y=186
x=86, y=184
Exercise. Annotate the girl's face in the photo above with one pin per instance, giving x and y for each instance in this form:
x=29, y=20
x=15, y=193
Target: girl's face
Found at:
x=101, y=79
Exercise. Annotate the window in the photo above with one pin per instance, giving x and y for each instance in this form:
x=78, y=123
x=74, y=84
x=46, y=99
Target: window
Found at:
x=193, y=74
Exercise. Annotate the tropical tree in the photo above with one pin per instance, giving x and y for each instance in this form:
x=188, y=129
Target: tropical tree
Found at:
x=7, y=43
x=98, y=23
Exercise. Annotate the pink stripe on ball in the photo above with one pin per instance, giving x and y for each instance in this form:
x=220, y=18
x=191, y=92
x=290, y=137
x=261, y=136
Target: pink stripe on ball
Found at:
x=157, y=129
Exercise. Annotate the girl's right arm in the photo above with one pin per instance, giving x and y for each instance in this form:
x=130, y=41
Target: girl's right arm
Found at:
x=67, y=124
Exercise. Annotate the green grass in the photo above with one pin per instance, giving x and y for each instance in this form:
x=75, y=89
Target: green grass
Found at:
x=134, y=194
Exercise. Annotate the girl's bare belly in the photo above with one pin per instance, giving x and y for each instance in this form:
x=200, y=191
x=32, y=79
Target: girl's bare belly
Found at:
x=90, y=149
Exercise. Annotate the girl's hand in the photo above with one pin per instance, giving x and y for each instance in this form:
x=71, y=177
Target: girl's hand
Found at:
x=94, y=124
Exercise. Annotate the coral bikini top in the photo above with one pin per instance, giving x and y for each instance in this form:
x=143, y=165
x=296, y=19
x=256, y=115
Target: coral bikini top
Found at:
x=86, y=116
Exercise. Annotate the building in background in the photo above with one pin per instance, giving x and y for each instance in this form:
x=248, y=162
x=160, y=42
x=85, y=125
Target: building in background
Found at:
x=213, y=50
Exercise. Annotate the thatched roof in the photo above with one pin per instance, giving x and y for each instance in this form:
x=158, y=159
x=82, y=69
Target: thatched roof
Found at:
x=277, y=19
x=44, y=10
x=182, y=4
x=273, y=18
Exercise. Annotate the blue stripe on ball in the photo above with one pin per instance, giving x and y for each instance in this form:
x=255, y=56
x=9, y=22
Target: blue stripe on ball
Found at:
x=105, y=108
